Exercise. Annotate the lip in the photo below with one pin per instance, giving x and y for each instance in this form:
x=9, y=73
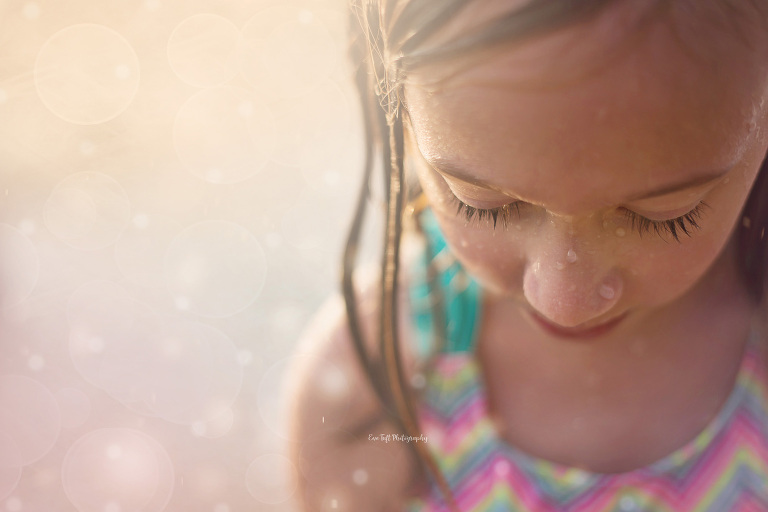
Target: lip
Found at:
x=577, y=332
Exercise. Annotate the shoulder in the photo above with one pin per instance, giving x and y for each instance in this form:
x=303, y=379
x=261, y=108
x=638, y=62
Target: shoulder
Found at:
x=336, y=421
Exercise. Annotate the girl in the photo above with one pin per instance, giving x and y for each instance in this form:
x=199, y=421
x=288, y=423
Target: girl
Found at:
x=583, y=325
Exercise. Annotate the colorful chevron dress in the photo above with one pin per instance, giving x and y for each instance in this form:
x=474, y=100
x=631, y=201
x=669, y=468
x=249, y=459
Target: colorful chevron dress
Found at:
x=723, y=469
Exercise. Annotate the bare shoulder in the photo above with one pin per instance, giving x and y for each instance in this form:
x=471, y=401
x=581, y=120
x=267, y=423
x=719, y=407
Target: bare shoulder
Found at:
x=337, y=425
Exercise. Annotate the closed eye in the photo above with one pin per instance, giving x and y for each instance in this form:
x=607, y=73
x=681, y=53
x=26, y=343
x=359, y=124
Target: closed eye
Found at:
x=500, y=214
x=685, y=224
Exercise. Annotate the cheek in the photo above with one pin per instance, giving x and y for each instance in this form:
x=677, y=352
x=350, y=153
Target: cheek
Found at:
x=659, y=272
x=493, y=257
x=660, y=276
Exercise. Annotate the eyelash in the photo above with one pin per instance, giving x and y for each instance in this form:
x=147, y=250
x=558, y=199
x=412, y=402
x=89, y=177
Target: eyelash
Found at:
x=685, y=224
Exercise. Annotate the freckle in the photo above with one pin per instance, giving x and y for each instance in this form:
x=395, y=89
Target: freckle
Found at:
x=572, y=257
x=559, y=265
x=620, y=232
x=607, y=292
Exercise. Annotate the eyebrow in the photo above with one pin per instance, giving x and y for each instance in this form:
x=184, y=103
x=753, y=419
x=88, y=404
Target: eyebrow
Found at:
x=704, y=179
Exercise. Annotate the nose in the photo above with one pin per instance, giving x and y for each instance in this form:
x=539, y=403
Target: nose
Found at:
x=571, y=287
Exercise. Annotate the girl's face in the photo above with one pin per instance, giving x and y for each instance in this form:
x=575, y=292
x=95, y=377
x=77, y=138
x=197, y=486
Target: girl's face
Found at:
x=614, y=177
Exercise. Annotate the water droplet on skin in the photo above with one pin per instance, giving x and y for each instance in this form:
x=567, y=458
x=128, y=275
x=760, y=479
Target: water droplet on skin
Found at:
x=572, y=257
x=607, y=292
x=726, y=180
x=620, y=232
x=463, y=243
x=518, y=227
x=605, y=224
x=559, y=265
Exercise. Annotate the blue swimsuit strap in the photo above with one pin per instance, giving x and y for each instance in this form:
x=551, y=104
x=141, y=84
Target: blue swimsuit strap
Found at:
x=461, y=295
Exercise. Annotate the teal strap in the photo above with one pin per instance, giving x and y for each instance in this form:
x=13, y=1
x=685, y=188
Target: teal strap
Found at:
x=461, y=295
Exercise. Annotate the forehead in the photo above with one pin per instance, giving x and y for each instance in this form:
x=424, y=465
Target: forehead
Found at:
x=562, y=108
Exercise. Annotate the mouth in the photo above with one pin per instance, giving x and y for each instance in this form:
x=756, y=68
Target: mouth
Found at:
x=577, y=332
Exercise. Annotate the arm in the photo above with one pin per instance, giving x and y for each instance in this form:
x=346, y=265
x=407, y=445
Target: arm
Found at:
x=337, y=425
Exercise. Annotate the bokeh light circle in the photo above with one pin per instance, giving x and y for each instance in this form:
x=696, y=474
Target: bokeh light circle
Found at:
x=271, y=478
x=30, y=415
x=215, y=427
x=203, y=50
x=218, y=267
x=87, y=210
x=19, y=266
x=117, y=469
x=10, y=465
x=224, y=134
x=87, y=73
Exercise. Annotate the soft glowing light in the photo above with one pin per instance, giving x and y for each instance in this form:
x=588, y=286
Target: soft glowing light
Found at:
x=287, y=59
x=271, y=478
x=319, y=124
x=140, y=250
x=216, y=142
x=19, y=266
x=75, y=73
x=203, y=50
x=10, y=465
x=87, y=210
x=117, y=468
x=75, y=407
x=30, y=415
x=218, y=266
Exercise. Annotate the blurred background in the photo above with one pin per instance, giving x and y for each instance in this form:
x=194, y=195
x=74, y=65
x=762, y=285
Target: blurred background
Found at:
x=176, y=181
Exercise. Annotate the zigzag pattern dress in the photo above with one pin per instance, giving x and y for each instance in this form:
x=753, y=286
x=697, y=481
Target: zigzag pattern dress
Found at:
x=723, y=469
